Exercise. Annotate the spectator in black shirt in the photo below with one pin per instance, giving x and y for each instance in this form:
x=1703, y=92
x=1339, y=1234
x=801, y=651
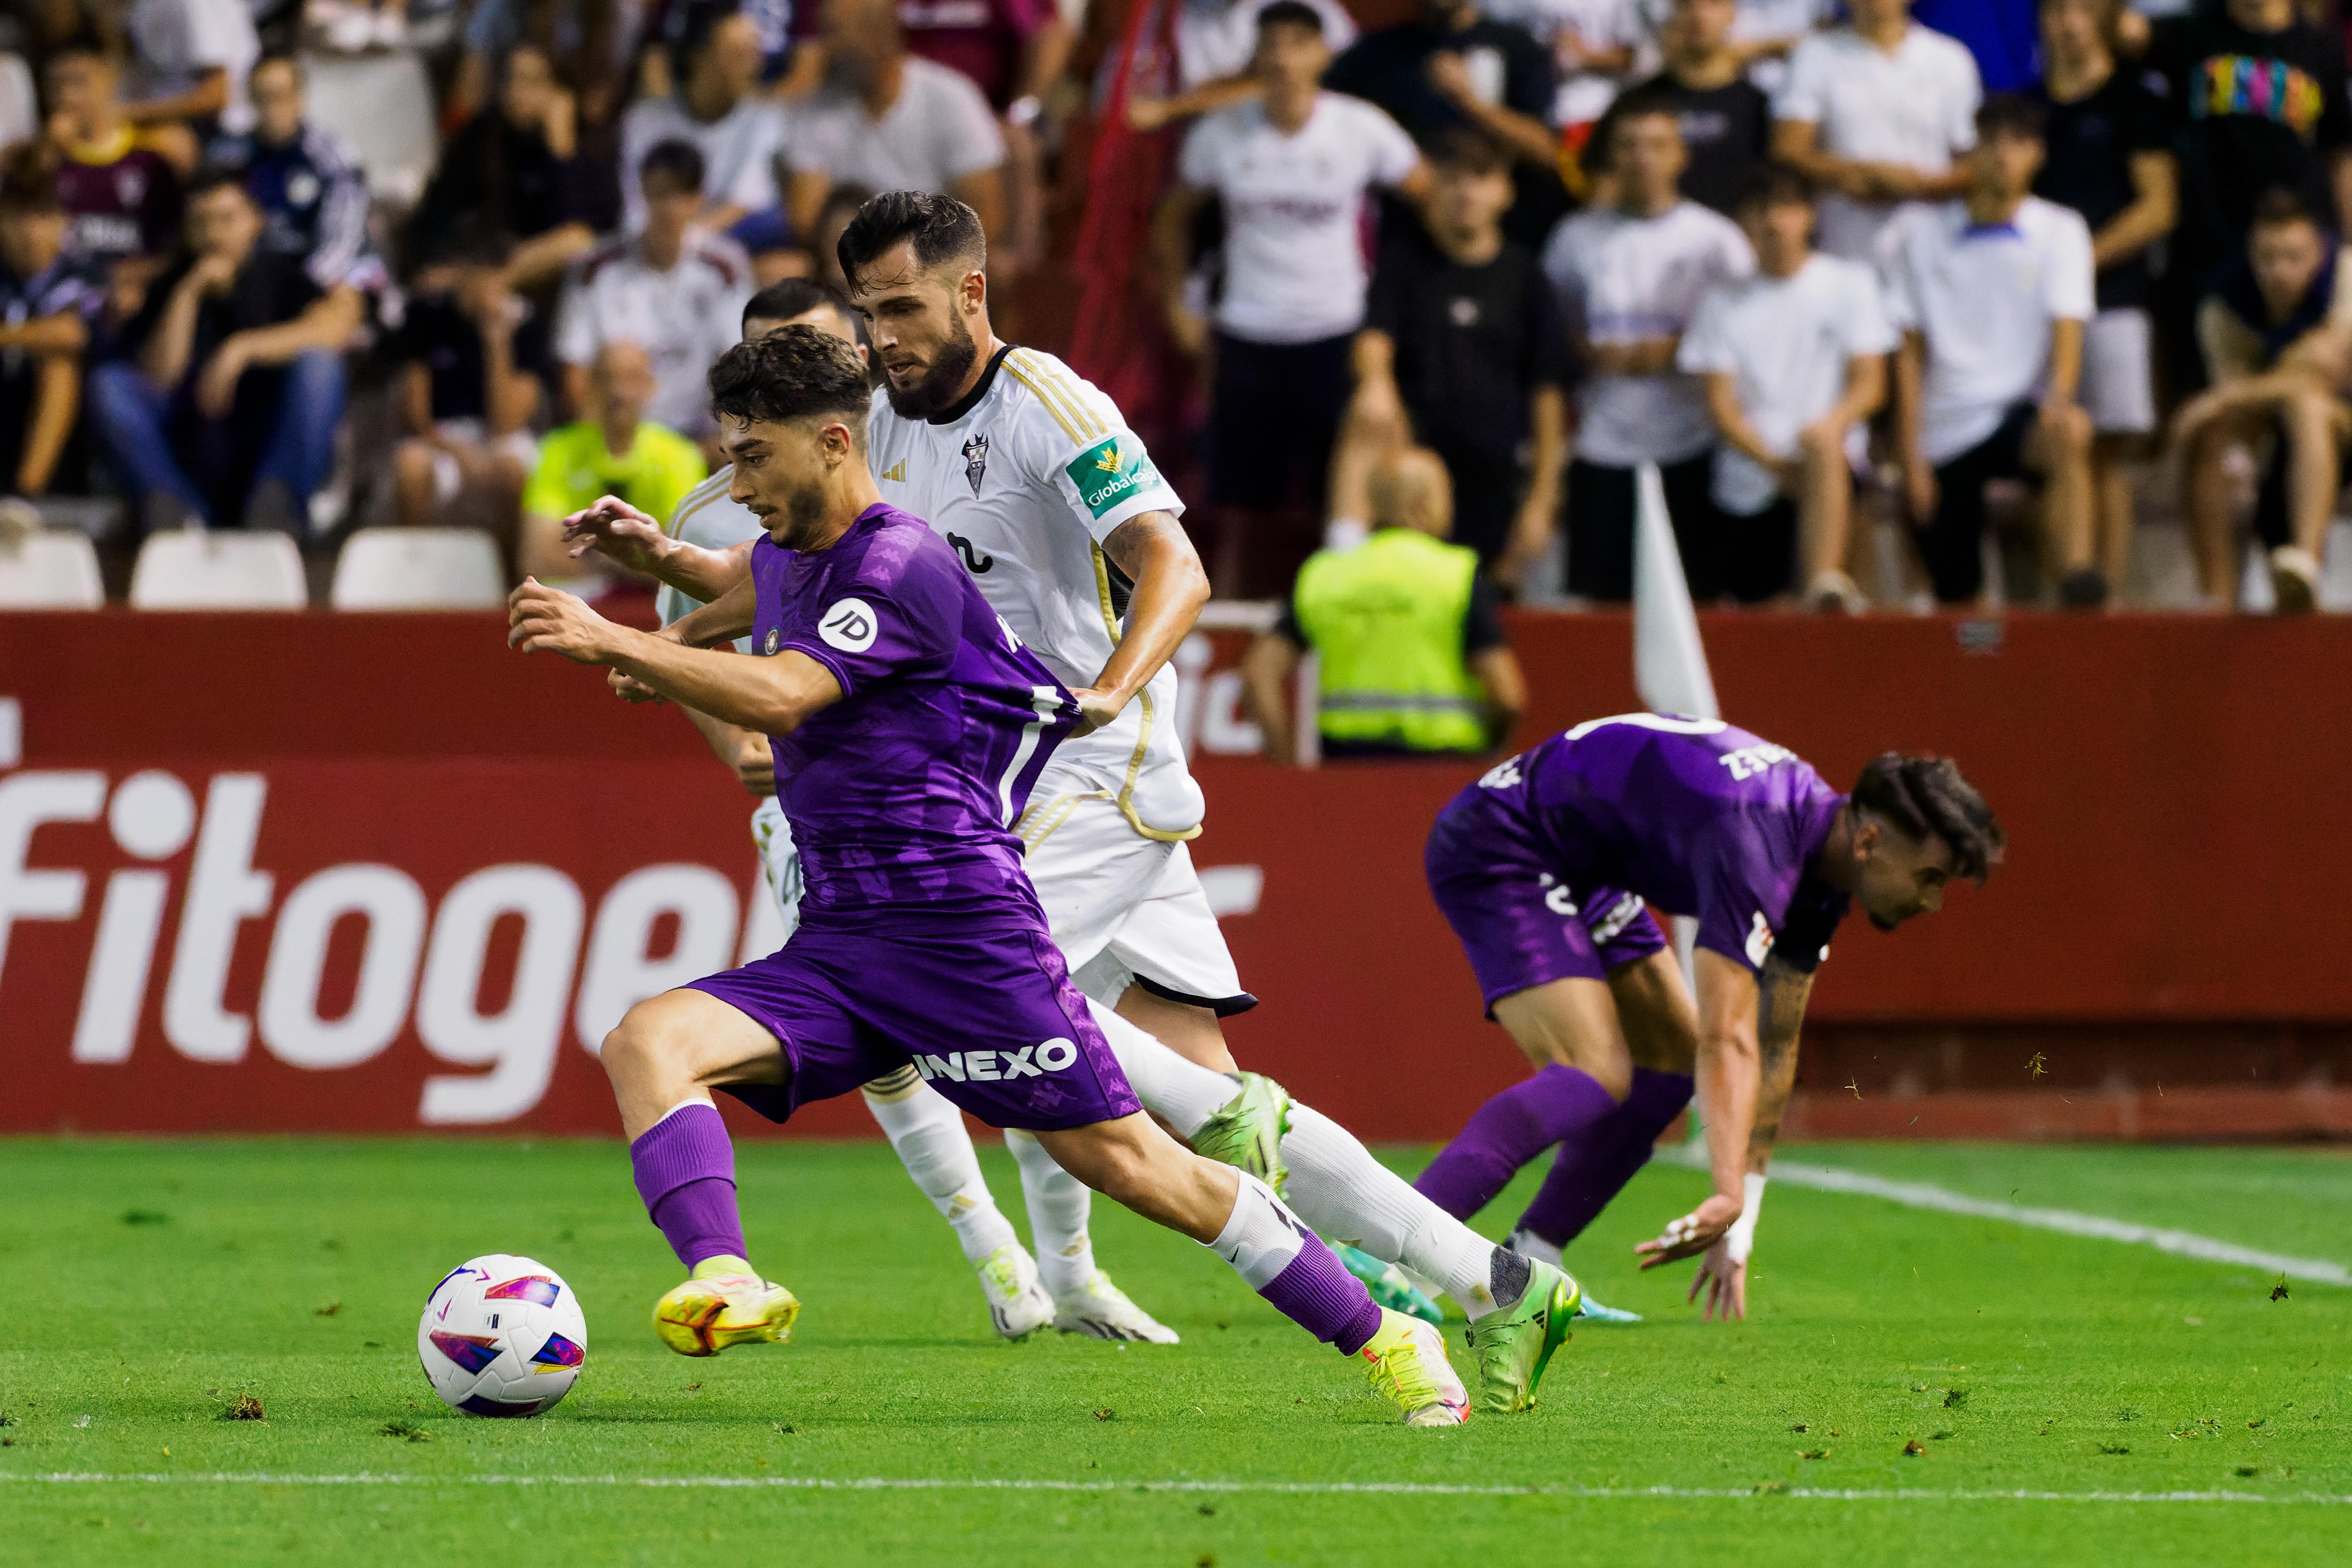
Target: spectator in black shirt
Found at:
x=47, y=300
x=2260, y=96
x=465, y=393
x=515, y=168
x=229, y=402
x=1451, y=67
x=1461, y=340
x=1726, y=119
x=2110, y=158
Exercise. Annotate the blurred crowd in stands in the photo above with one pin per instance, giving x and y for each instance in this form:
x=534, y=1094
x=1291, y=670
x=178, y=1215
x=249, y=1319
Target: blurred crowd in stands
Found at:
x=1904, y=301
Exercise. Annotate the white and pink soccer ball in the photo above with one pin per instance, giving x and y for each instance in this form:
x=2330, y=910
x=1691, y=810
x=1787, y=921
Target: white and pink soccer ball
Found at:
x=502, y=1336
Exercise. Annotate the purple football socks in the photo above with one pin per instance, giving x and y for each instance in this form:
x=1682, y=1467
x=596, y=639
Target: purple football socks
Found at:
x=1588, y=1172
x=686, y=1172
x=1319, y=1294
x=1559, y=1105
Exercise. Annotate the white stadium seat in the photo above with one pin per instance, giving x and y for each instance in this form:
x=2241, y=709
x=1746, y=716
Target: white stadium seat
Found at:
x=49, y=569
x=192, y=569
x=418, y=569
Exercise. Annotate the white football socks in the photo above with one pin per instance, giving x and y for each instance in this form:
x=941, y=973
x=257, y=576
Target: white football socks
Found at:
x=1336, y=1185
x=1258, y=1238
x=1058, y=1203
x=929, y=1137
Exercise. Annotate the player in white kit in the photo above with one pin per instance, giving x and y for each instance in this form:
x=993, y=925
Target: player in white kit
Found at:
x=1071, y=534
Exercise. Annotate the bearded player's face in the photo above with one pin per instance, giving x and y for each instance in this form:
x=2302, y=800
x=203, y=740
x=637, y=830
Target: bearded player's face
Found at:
x=921, y=321
x=1899, y=876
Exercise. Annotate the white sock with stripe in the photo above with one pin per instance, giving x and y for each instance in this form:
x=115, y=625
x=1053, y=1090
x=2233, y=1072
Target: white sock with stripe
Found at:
x=1336, y=1185
x=929, y=1137
x=1058, y=1205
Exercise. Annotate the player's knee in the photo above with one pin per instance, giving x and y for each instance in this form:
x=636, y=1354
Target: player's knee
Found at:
x=640, y=1043
x=2311, y=414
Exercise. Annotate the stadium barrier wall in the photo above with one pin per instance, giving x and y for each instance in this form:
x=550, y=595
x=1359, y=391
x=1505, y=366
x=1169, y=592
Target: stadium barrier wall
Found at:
x=374, y=872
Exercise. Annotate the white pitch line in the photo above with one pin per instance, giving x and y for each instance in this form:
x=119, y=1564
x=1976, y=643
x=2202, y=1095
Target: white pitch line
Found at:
x=1319, y=1489
x=1920, y=1195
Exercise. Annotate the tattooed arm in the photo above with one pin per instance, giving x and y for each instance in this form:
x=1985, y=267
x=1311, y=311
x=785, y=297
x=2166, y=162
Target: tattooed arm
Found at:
x=1780, y=1012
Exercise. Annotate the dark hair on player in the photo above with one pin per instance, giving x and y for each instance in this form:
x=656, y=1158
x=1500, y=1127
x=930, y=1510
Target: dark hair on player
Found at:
x=1644, y=102
x=678, y=162
x=1777, y=185
x=1459, y=150
x=791, y=297
x=796, y=372
x=2281, y=205
x=1925, y=797
x=940, y=227
x=87, y=43
x=473, y=240
x=2010, y=114
x=1290, y=14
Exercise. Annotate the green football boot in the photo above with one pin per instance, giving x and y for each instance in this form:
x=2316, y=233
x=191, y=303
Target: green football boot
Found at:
x=1248, y=1134
x=1514, y=1346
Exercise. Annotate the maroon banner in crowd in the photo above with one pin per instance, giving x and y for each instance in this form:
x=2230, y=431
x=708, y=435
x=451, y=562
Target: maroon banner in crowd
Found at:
x=376, y=873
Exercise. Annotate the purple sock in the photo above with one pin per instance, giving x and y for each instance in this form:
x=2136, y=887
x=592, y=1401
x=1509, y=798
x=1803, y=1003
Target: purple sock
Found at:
x=686, y=1172
x=1587, y=1173
x=1558, y=1104
x=1318, y=1294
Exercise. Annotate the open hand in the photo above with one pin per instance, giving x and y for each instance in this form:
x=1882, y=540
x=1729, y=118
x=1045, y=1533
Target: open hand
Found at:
x=1693, y=1234
x=544, y=619
x=615, y=531
x=1726, y=1280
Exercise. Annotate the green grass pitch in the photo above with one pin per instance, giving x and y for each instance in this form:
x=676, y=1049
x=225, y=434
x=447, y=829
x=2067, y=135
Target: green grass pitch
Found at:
x=145, y=1285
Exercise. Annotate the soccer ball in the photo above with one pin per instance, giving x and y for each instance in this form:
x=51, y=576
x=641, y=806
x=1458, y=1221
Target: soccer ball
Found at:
x=502, y=1336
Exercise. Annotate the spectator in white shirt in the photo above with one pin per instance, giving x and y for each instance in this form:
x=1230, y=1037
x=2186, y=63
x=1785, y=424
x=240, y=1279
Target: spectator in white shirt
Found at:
x=1216, y=49
x=1990, y=294
x=1794, y=361
x=670, y=286
x=192, y=57
x=720, y=110
x=1874, y=113
x=1292, y=170
x=891, y=122
x=1631, y=276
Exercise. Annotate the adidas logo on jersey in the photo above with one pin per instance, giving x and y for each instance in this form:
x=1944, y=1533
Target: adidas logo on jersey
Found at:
x=995, y=1066
x=896, y=472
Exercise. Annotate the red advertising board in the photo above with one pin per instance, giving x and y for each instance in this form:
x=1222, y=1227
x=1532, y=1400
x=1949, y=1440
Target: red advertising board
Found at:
x=376, y=872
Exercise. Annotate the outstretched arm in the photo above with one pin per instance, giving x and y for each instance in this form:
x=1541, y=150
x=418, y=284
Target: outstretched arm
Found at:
x=771, y=696
x=1728, y=1002
x=1782, y=991
x=1150, y=549
x=634, y=542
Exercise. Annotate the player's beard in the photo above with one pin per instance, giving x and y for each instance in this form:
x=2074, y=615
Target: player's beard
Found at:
x=941, y=382
x=804, y=518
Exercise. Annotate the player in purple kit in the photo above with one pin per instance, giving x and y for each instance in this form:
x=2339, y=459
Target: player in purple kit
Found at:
x=909, y=724
x=1544, y=868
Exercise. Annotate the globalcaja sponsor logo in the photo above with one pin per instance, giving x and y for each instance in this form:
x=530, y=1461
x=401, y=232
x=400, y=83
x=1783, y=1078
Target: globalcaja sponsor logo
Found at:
x=1110, y=471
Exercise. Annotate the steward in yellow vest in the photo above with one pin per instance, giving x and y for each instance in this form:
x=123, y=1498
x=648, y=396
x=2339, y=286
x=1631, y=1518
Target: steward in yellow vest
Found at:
x=1409, y=655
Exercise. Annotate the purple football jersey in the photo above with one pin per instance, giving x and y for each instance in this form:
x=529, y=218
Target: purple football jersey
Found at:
x=1698, y=818
x=902, y=795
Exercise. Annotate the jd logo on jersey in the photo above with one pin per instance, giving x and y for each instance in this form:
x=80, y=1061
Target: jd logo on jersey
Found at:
x=974, y=561
x=975, y=461
x=849, y=626
x=1110, y=471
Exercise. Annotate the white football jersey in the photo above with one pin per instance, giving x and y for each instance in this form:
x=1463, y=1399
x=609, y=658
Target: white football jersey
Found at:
x=712, y=518
x=1026, y=481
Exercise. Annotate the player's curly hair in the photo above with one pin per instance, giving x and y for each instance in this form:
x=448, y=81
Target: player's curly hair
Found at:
x=942, y=229
x=794, y=372
x=1926, y=796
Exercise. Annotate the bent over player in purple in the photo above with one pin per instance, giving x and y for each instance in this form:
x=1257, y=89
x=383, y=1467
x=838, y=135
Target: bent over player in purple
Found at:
x=1545, y=869
x=909, y=724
